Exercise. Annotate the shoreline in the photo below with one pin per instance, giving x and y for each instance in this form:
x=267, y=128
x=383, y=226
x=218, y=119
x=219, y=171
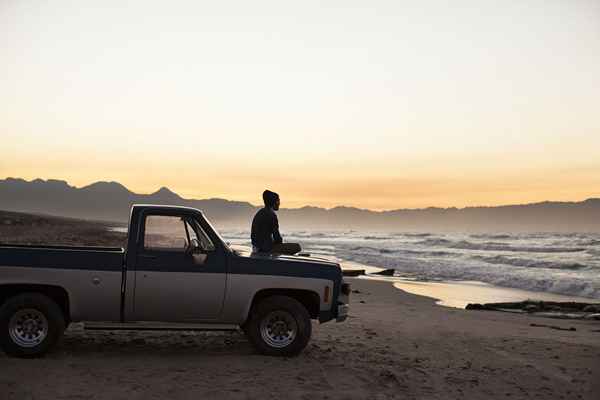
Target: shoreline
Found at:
x=457, y=294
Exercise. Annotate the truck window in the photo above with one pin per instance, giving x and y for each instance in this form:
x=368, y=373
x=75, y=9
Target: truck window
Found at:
x=205, y=242
x=191, y=232
x=166, y=232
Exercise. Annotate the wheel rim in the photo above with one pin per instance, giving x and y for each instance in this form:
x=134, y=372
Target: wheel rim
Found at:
x=28, y=327
x=278, y=329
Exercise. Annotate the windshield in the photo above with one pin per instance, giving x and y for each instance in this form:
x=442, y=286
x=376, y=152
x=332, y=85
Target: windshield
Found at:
x=225, y=244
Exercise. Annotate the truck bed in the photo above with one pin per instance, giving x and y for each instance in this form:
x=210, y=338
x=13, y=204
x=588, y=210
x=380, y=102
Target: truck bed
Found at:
x=91, y=277
x=62, y=257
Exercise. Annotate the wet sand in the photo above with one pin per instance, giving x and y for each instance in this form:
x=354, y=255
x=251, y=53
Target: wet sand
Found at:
x=460, y=293
x=394, y=345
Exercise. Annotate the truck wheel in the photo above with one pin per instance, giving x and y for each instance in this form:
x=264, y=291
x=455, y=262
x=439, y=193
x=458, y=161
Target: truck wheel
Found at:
x=279, y=326
x=30, y=325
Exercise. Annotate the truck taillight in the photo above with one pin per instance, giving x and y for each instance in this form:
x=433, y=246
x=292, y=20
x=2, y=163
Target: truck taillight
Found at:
x=326, y=295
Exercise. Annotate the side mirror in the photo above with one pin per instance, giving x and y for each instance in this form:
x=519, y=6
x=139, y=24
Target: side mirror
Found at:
x=194, y=247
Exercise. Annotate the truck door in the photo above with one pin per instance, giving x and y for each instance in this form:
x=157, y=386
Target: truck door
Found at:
x=180, y=274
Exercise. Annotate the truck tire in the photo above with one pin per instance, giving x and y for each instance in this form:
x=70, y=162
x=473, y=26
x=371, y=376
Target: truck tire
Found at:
x=31, y=324
x=279, y=326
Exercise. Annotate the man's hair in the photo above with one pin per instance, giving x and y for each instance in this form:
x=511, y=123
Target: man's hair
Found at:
x=269, y=198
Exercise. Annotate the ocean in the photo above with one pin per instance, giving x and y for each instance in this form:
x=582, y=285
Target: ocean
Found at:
x=560, y=263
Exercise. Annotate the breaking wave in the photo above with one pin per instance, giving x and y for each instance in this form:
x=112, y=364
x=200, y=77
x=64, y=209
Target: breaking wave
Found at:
x=435, y=242
x=498, y=246
x=416, y=235
x=496, y=236
x=567, y=264
x=528, y=263
x=370, y=250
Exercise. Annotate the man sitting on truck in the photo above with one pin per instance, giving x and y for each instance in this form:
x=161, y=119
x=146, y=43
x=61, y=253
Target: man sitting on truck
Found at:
x=265, y=229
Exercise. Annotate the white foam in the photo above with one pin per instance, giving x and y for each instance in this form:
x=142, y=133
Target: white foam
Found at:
x=567, y=264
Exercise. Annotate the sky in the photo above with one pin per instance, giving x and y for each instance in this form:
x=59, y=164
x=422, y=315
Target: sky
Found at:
x=372, y=104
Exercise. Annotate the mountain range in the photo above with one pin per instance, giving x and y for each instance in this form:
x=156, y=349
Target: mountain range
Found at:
x=110, y=201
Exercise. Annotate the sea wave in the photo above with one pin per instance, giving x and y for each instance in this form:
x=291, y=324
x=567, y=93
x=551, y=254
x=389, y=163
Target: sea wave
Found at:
x=371, y=250
x=365, y=249
x=528, y=263
x=494, y=246
x=313, y=235
x=492, y=236
x=566, y=264
x=415, y=235
x=589, y=242
x=435, y=242
x=497, y=246
x=571, y=282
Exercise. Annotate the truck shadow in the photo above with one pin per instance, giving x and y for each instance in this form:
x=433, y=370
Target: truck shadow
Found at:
x=160, y=343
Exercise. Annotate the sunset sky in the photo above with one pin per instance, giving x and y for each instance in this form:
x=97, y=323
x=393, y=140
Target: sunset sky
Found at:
x=374, y=104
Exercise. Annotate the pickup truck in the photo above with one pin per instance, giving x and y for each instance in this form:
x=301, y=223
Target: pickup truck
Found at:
x=176, y=273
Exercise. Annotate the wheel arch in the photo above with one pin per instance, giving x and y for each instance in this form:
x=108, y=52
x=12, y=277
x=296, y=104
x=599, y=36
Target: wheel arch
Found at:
x=308, y=298
x=56, y=293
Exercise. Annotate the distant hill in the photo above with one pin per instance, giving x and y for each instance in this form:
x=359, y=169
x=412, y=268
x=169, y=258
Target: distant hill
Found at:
x=110, y=201
x=107, y=201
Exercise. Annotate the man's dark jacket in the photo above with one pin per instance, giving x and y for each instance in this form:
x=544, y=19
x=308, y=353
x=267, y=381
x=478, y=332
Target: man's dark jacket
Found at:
x=265, y=230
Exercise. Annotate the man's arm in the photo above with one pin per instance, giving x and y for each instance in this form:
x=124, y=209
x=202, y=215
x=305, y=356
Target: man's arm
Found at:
x=276, y=235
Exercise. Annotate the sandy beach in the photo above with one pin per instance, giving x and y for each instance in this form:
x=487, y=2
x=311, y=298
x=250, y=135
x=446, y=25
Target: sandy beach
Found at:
x=394, y=345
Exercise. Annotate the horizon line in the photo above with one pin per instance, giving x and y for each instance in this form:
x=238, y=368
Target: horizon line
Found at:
x=297, y=208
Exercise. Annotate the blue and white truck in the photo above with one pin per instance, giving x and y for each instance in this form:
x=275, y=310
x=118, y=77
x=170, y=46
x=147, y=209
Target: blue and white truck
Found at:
x=176, y=273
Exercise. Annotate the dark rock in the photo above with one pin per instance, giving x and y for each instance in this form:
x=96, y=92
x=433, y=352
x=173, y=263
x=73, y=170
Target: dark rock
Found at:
x=386, y=374
x=558, y=328
x=531, y=308
x=592, y=308
x=475, y=306
x=565, y=306
x=385, y=272
x=353, y=272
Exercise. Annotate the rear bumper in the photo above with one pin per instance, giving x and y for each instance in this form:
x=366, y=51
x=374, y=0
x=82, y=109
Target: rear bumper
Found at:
x=339, y=313
x=342, y=312
x=343, y=305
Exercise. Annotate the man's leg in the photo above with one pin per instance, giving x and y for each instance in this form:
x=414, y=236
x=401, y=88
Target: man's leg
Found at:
x=286, y=248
